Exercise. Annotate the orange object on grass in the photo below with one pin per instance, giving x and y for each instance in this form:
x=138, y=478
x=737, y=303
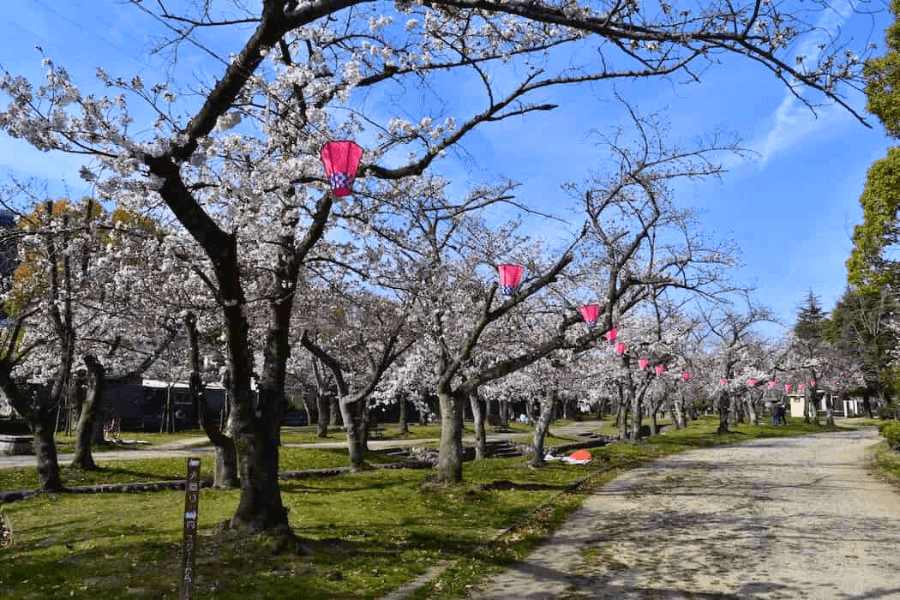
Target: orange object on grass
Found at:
x=581, y=455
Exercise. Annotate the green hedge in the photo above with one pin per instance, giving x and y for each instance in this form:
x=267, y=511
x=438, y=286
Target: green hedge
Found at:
x=891, y=432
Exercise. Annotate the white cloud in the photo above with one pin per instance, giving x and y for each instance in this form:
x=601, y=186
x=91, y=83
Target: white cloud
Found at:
x=793, y=121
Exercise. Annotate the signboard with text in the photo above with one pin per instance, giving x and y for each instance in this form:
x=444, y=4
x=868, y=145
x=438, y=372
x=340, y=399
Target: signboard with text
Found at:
x=189, y=545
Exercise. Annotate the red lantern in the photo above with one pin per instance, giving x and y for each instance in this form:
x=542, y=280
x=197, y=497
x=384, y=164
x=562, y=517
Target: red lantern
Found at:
x=620, y=348
x=611, y=335
x=659, y=369
x=787, y=388
x=510, y=277
x=752, y=383
x=685, y=375
x=590, y=314
x=341, y=158
x=642, y=363
x=724, y=381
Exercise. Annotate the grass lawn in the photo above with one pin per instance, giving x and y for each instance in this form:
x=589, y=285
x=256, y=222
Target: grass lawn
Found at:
x=369, y=532
x=884, y=463
x=66, y=443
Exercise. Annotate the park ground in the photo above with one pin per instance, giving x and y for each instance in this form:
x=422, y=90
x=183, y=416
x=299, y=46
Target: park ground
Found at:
x=377, y=532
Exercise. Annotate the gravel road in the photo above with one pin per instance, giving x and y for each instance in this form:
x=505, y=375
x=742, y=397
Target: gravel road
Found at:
x=792, y=518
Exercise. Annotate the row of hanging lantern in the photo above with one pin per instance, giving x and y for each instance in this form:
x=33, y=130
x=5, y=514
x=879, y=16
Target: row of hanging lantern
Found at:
x=341, y=160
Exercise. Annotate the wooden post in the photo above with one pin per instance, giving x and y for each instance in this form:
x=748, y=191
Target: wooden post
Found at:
x=189, y=544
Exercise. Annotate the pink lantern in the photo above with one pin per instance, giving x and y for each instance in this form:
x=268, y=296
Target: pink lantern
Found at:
x=772, y=384
x=752, y=383
x=834, y=383
x=801, y=386
x=659, y=369
x=590, y=314
x=787, y=388
x=620, y=348
x=812, y=384
x=724, y=381
x=341, y=158
x=510, y=277
x=643, y=362
x=685, y=375
x=611, y=335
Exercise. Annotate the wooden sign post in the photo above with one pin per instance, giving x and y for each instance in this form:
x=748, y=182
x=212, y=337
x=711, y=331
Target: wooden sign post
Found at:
x=189, y=545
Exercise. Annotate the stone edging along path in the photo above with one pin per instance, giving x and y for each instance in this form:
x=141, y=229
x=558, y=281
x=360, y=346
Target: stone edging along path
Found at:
x=7, y=497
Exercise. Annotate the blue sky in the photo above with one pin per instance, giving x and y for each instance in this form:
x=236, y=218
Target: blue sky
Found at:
x=791, y=209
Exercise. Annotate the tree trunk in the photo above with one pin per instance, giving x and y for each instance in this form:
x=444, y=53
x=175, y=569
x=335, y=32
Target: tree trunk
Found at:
x=225, y=474
x=403, y=425
x=654, y=428
x=813, y=408
x=90, y=409
x=366, y=416
x=733, y=409
x=504, y=414
x=621, y=414
x=255, y=425
x=337, y=416
x=450, y=459
x=723, y=413
x=45, y=449
x=323, y=408
x=478, y=414
x=867, y=405
x=637, y=409
x=680, y=421
x=541, y=427
x=351, y=426
x=829, y=410
x=751, y=410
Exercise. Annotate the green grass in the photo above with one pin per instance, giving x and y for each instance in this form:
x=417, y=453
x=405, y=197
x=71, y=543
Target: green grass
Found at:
x=370, y=532
x=884, y=463
x=66, y=443
x=161, y=469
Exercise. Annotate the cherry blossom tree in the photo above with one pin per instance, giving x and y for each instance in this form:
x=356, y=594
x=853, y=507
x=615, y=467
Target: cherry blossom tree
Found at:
x=247, y=154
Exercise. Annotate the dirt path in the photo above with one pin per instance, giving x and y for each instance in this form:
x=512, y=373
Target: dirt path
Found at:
x=791, y=518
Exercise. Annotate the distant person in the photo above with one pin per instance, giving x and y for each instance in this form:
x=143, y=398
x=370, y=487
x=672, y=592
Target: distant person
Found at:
x=782, y=411
x=774, y=409
x=523, y=418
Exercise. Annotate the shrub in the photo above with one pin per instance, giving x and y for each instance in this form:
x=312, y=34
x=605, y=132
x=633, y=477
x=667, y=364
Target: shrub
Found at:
x=891, y=432
x=887, y=411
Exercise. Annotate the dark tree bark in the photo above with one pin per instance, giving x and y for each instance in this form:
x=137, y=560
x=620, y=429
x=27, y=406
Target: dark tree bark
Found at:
x=450, y=458
x=637, y=413
x=504, y=414
x=323, y=401
x=622, y=414
x=352, y=427
x=225, y=474
x=867, y=405
x=723, y=407
x=337, y=417
x=542, y=426
x=90, y=410
x=323, y=407
x=751, y=409
x=403, y=425
x=478, y=414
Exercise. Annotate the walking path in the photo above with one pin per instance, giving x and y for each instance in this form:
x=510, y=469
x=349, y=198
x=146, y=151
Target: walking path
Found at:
x=785, y=518
x=195, y=447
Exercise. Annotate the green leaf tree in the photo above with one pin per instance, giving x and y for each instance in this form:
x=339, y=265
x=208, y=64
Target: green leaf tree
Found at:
x=869, y=265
